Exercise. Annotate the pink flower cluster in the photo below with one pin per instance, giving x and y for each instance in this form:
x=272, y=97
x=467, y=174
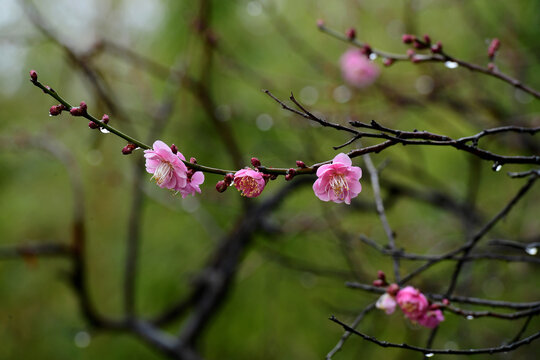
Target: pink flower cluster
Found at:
x=357, y=69
x=170, y=172
x=339, y=181
x=414, y=305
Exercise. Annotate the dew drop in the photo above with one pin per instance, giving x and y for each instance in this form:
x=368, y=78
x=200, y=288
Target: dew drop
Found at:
x=470, y=317
x=103, y=130
x=372, y=56
x=531, y=250
x=428, y=355
x=497, y=167
x=50, y=115
x=451, y=64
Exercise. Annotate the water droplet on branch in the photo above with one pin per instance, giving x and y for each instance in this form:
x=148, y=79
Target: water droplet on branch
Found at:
x=470, y=317
x=496, y=167
x=428, y=355
x=103, y=130
x=531, y=250
x=451, y=64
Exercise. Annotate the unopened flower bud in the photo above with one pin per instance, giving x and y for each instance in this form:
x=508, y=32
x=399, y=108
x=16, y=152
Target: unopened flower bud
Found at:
x=83, y=106
x=388, y=62
x=408, y=38
x=320, y=23
x=493, y=47
x=410, y=53
x=229, y=179
x=128, y=149
x=300, y=164
x=221, y=186
x=290, y=174
x=491, y=66
x=174, y=149
x=55, y=110
x=419, y=44
x=381, y=275
x=75, y=111
x=378, y=283
x=366, y=50
x=427, y=39
x=255, y=162
x=436, y=48
x=33, y=75
x=105, y=118
x=192, y=160
x=392, y=289
x=445, y=302
x=351, y=34
x=93, y=125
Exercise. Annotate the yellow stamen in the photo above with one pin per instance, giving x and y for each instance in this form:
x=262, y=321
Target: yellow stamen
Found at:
x=340, y=186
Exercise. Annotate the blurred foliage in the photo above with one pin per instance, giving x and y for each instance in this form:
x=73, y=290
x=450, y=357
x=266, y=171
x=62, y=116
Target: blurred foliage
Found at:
x=273, y=311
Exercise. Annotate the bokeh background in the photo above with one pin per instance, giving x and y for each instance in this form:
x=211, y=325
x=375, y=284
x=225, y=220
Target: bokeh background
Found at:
x=292, y=277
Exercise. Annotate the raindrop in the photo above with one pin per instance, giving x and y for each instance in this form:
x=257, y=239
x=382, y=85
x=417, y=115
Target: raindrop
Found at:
x=82, y=339
x=103, y=130
x=531, y=250
x=50, y=114
x=451, y=64
x=470, y=317
x=428, y=355
x=497, y=167
x=372, y=56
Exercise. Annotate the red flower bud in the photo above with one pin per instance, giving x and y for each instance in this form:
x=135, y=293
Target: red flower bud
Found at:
x=174, y=149
x=300, y=164
x=410, y=53
x=229, y=179
x=366, y=49
x=419, y=44
x=221, y=186
x=255, y=162
x=381, y=275
x=192, y=160
x=128, y=149
x=105, y=118
x=445, y=302
x=83, y=106
x=437, y=48
x=93, y=125
x=55, y=110
x=33, y=75
x=491, y=66
x=408, y=38
x=378, y=283
x=320, y=23
x=392, y=289
x=493, y=47
x=388, y=62
x=351, y=34
x=75, y=111
x=427, y=39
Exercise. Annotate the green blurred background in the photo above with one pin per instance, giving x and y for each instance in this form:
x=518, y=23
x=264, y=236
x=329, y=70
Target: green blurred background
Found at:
x=277, y=308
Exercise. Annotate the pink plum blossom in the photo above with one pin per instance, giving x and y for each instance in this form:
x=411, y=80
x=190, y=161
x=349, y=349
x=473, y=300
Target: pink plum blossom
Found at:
x=249, y=182
x=387, y=303
x=192, y=184
x=357, y=69
x=167, y=168
x=431, y=318
x=339, y=181
x=413, y=303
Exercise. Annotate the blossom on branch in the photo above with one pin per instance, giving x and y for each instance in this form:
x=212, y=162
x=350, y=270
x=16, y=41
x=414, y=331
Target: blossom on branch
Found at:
x=357, y=69
x=167, y=168
x=249, y=182
x=412, y=302
x=431, y=318
x=339, y=181
x=387, y=303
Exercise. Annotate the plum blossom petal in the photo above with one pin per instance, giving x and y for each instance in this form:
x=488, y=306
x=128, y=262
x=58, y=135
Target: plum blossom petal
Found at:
x=249, y=182
x=387, y=303
x=167, y=168
x=339, y=181
x=431, y=318
x=357, y=69
x=412, y=302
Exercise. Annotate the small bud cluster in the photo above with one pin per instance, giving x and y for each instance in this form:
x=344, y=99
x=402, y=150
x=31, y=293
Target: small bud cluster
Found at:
x=351, y=34
x=33, y=76
x=420, y=44
x=56, y=109
x=94, y=125
x=81, y=110
x=128, y=149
